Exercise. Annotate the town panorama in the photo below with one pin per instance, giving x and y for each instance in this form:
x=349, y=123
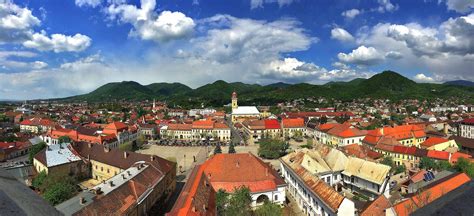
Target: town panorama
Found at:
x=237, y=107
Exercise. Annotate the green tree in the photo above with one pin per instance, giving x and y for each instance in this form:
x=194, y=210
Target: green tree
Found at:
x=443, y=165
x=35, y=149
x=268, y=209
x=232, y=148
x=64, y=139
x=400, y=169
x=218, y=149
x=222, y=198
x=272, y=148
x=239, y=202
x=427, y=163
x=387, y=160
x=59, y=192
x=39, y=180
x=463, y=165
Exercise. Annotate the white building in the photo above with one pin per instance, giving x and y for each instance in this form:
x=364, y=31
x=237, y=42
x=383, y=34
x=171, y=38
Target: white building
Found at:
x=243, y=112
x=466, y=128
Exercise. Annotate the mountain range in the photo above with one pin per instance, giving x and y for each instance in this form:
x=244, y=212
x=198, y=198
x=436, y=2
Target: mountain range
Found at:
x=387, y=84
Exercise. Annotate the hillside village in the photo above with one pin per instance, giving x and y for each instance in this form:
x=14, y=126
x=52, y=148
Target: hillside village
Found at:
x=365, y=157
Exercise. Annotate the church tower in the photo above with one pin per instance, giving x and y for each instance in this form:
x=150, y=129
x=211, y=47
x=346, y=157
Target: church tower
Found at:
x=234, y=100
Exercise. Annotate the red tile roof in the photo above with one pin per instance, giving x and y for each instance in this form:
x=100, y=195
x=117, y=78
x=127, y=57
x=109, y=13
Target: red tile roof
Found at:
x=293, y=123
x=227, y=171
x=345, y=131
x=439, y=155
x=433, y=141
x=377, y=207
x=272, y=124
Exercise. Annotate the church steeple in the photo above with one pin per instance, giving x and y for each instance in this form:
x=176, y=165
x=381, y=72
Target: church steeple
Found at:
x=234, y=100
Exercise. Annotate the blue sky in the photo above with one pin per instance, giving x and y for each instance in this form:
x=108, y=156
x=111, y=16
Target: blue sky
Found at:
x=57, y=48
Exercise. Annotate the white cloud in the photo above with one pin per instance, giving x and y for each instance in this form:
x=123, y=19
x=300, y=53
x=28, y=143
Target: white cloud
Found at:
x=341, y=35
x=58, y=42
x=393, y=55
x=460, y=6
x=437, y=50
x=386, y=6
x=148, y=25
x=88, y=3
x=350, y=14
x=39, y=65
x=16, y=23
x=362, y=56
x=423, y=78
x=454, y=36
x=259, y=3
x=7, y=63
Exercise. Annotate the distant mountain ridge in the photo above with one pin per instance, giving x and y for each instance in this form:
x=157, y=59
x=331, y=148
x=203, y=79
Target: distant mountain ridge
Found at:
x=387, y=84
x=460, y=83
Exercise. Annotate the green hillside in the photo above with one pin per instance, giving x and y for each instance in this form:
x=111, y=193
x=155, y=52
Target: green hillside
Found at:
x=387, y=84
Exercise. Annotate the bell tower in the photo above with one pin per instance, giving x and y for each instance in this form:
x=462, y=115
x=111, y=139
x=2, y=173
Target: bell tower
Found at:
x=234, y=100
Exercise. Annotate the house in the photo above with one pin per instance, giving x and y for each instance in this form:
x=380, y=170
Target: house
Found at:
x=9, y=150
x=148, y=130
x=366, y=177
x=198, y=130
x=466, y=128
x=417, y=180
x=429, y=194
x=81, y=134
x=344, y=134
x=320, y=132
x=258, y=129
x=313, y=195
x=240, y=113
x=377, y=207
x=408, y=135
x=465, y=144
x=291, y=127
x=437, y=143
x=127, y=183
x=36, y=125
x=58, y=158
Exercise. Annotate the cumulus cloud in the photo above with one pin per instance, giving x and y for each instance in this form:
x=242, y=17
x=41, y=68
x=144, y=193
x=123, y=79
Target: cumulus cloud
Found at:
x=148, y=25
x=437, y=50
x=350, y=14
x=58, y=42
x=386, y=6
x=393, y=55
x=362, y=56
x=460, y=6
x=423, y=78
x=259, y=3
x=16, y=23
x=341, y=35
x=88, y=3
x=453, y=36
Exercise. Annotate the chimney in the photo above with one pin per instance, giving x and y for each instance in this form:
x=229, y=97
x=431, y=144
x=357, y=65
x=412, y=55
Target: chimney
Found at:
x=88, y=157
x=128, y=172
x=111, y=183
x=445, y=128
x=98, y=191
x=209, y=176
x=123, y=176
x=152, y=158
x=125, y=154
x=90, y=145
x=139, y=167
x=106, y=149
x=237, y=164
x=381, y=130
x=266, y=171
x=82, y=201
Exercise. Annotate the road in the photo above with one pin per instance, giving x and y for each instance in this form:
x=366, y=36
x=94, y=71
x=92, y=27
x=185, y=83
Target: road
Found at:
x=234, y=133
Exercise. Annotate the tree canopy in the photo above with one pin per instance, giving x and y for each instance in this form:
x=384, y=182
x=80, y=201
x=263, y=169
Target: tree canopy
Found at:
x=272, y=148
x=35, y=149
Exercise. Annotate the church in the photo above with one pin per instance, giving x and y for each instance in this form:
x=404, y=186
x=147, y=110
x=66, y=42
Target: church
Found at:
x=240, y=113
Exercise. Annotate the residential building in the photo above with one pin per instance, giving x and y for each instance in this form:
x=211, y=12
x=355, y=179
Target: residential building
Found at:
x=344, y=134
x=10, y=150
x=466, y=128
x=59, y=159
x=198, y=130
x=429, y=194
x=258, y=129
x=293, y=126
x=437, y=143
x=313, y=195
x=366, y=177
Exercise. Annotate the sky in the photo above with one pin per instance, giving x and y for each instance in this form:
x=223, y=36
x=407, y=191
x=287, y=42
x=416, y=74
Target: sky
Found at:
x=59, y=48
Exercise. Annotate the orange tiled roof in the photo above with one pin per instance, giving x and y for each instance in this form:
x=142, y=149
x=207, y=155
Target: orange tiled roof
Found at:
x=433, y=141
x=293, y=123
x=180, y=126
x=227, y=171
x=377, y=207
x=345, y=131
x=206, y=124
x=432, y=193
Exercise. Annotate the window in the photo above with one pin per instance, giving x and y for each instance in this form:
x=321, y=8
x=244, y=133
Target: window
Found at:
x=276, y=197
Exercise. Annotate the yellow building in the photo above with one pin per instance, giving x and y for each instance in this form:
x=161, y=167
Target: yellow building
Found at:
x=58, y=158
x=241, y=113
x=438, y=144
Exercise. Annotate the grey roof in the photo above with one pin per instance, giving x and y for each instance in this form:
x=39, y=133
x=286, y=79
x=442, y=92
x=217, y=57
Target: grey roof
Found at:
x=456, y=202
x=17, y=199
x=73, y=205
